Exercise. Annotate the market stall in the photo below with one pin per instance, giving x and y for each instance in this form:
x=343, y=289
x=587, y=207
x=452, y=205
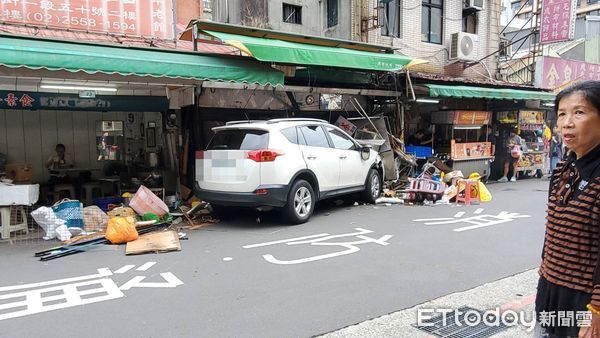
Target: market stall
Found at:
x=535, y=159
x=468, y=155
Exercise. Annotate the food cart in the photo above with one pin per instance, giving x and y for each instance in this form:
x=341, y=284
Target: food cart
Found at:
x=467, y=156
x=535, y=160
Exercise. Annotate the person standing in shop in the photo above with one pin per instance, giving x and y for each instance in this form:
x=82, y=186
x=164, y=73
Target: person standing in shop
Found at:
x=514, y=145
x=569, y=283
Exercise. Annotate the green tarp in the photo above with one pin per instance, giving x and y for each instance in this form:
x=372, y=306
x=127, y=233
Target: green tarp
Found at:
x=287, y=52
x=91, y=58
x=488, y=93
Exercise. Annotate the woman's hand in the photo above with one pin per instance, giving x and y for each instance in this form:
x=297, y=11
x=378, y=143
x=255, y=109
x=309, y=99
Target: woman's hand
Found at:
x=592, y=331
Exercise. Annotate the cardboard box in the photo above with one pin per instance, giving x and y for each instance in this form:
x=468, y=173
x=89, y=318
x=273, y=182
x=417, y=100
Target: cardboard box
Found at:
x=19, y=172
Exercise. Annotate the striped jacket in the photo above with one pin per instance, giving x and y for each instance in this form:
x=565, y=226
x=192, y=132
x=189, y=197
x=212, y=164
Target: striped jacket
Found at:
x=570, y=254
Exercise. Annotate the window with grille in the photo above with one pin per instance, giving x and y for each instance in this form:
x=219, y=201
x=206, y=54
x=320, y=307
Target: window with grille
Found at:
x=332, y=13
x=431, y=21
x=292, y=14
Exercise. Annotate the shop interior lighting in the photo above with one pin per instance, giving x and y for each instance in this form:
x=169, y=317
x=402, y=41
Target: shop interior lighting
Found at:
x=427, y=100
x=468, y=127
x=98, y=89
x=548, y=104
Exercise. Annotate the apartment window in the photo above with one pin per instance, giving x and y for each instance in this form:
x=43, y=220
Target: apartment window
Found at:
x=431, y=21
x=292, y=14
x=515, y=6
x=390, y=20
x=207, y=5
x=470, y=23
x=593, y=1
x=332, y=13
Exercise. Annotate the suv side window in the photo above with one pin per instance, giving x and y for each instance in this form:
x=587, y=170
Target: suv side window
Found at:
x=291, y=134
x=340, y=141
x=314, y=136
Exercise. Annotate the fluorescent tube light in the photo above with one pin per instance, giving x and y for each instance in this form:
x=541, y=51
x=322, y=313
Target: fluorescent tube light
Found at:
x=548, y=104
x=427, y=100
x=98, y=89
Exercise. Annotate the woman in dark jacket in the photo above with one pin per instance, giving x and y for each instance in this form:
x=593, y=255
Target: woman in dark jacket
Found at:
x=568, y=294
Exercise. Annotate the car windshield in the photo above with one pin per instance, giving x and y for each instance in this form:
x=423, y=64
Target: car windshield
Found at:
x=235, y=139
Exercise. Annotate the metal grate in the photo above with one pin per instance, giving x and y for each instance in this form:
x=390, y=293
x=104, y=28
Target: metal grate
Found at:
x=456, y=326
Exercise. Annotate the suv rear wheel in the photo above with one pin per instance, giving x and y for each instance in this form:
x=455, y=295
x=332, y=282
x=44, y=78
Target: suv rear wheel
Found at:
x=300, y=202
x=372, y=187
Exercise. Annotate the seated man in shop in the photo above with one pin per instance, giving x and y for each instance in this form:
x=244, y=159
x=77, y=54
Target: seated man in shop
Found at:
x=58, y=161
x=418, y=139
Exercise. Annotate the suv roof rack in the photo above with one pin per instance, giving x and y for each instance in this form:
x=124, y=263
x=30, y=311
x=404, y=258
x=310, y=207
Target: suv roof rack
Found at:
x=244, y=122
x=299, y=119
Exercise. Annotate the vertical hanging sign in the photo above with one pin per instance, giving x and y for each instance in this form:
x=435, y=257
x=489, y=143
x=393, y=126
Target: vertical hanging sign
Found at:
x=557, y=21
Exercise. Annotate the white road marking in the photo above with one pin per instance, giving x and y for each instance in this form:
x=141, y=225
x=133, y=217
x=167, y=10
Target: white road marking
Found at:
x=136, y=282
x=125, y=269
x=459, y=214
x=33, y=301
x=227, y=259
x=102, y=272
x=478, y=211
x=282, y=241
x=146, y=266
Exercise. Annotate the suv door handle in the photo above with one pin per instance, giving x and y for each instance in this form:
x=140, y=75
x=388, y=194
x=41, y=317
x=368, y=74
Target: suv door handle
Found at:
x=343, y=156
x=311, y=157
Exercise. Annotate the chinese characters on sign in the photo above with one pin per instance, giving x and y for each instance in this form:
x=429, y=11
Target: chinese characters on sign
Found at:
x=468, y=118
x=151, y=18
x=558, y=20
x=557, y=73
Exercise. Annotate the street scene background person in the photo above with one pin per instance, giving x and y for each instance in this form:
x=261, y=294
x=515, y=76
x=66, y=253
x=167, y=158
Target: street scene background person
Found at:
x=514, y=144
x=569, y=273
x=556, y=148
x=419, y=139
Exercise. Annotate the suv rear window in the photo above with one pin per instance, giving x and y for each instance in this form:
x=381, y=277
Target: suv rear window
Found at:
x=232, y=139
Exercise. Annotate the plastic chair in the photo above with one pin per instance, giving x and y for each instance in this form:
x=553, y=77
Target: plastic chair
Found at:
x=91, y=190
x=469, y=188
x=60, y=189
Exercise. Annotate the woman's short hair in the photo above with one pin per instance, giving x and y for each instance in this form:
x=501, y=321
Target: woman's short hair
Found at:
x=589, y=89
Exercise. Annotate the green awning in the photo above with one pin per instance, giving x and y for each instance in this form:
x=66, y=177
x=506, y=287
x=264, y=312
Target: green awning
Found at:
x=288, y=52
x=488, y=93
x=17, y=52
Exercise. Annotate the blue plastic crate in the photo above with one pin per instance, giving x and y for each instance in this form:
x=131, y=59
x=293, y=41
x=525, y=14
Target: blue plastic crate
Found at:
x=420, y=151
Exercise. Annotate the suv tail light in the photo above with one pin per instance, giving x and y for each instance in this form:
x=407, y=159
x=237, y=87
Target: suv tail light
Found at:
x=264, y=155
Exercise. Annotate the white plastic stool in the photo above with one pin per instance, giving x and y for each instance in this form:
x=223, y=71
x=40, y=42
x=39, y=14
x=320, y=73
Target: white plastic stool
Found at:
x=5, y=221
x=90, y=190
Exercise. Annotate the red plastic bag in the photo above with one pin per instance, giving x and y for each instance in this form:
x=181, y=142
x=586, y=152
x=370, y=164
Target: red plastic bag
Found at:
x=144, y=201
x=121, y=230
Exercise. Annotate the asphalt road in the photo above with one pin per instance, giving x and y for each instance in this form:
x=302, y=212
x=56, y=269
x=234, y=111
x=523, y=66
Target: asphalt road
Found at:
x=238, y=283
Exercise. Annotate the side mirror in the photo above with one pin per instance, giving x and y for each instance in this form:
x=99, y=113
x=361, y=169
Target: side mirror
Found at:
x=365, y=152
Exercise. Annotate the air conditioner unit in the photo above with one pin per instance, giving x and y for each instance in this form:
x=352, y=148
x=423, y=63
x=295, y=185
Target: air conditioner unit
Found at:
x=463, y=46
x=475, y=4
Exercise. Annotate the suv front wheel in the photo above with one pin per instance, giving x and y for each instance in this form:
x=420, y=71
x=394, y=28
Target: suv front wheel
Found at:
x=372, y=187
x=300, y=202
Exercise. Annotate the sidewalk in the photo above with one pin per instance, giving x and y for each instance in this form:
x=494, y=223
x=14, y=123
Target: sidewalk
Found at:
x=515, y=293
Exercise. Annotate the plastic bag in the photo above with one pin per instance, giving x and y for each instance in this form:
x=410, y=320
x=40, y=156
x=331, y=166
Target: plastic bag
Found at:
x=484, y=193
x=145, y=201
x=121, y=212
x=47, y=220
x=63, y=233
x=94, y=218
x=71, y=211
x=121, y=230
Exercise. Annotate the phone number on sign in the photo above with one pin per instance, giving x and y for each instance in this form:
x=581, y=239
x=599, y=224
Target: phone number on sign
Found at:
x=78, y=21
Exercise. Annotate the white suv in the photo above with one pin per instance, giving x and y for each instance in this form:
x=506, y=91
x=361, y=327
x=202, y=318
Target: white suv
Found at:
x=285, y=163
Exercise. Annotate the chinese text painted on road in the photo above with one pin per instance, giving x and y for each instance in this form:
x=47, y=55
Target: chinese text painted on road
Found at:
x=474, y=222
x=64, y=293
x=322, y=240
